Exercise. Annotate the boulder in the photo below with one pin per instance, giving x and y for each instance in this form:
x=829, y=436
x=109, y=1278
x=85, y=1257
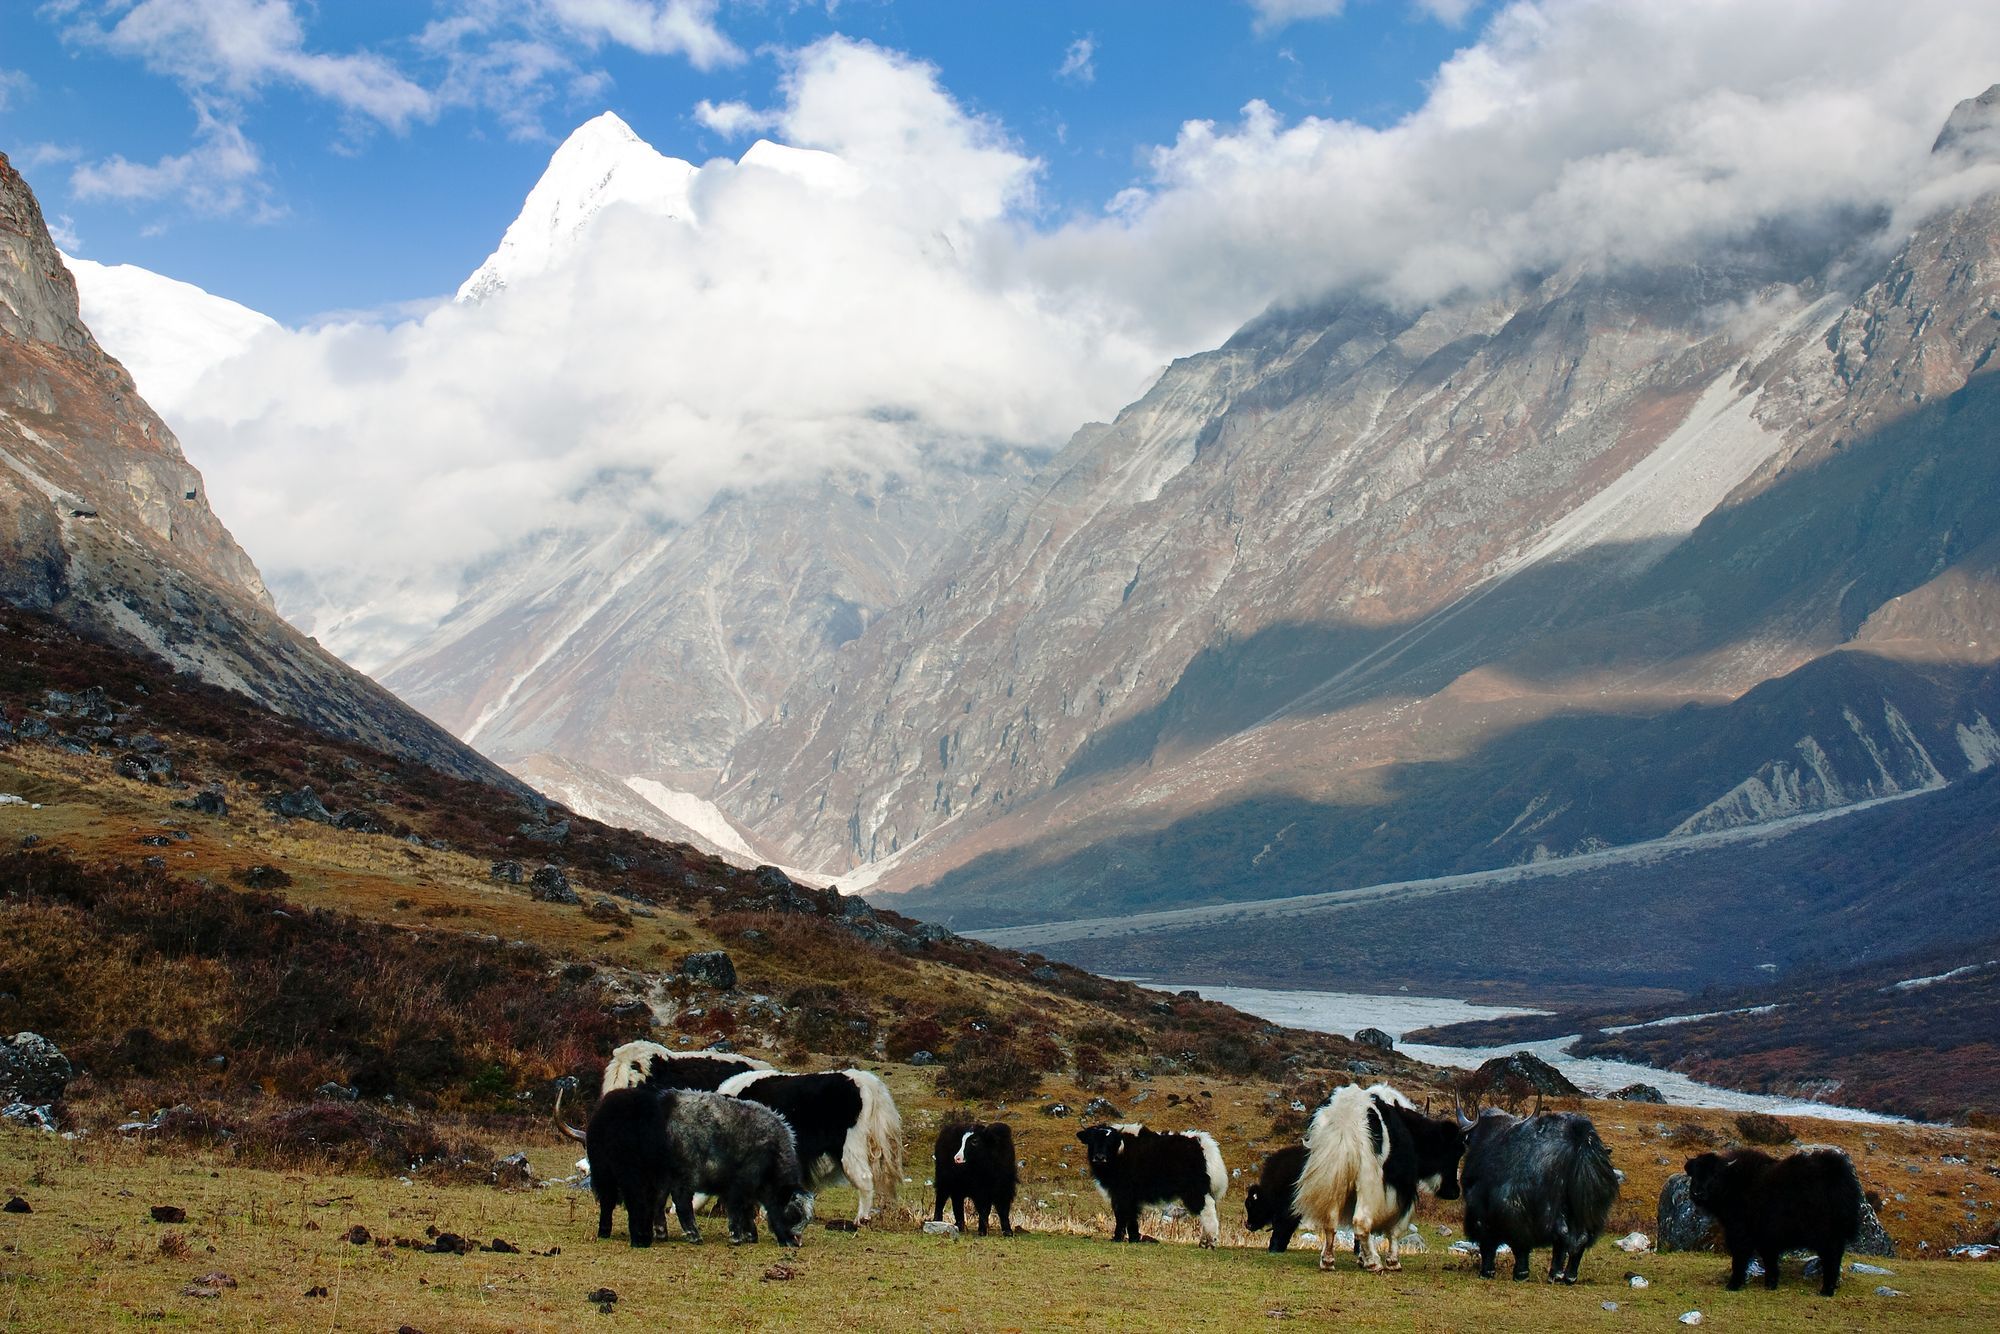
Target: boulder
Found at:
x=545, y=833
x=550, y=885
x=710, y=968
x=32, y=1070
x=303, y=804
x=1523, y=1070
x=1375, y=1037
x=1681, y=1226
x=1639, y=1093
x=29, y=1117
x=1873, y=1239
x=211, y=800
x=508, y=873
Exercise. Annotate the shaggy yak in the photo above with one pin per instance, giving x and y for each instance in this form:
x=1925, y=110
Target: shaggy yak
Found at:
x=643, y=1064
x=975, y=1161
x=1767, y=1206
x=648, y=1146
x=844, y=1122
x=1269, y=1202
x=1367, y=1153
x=1134, y=1166
x=1543, y=1180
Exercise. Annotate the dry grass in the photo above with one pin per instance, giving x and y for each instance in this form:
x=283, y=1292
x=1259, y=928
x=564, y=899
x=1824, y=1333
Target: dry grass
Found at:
x=90, y=1258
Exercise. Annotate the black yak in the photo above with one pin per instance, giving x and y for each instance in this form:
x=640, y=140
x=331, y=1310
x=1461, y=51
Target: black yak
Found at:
x=1134, y=1166
x=977, y=1162
x=1368, y=1151
x=648, y=1146
x=1543, y=1180
x=844, y=1121
x=1269, y=1202
x=1767, y=1206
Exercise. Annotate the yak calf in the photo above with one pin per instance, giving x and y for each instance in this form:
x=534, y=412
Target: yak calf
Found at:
x=977, y=1162
x=1269, y=1202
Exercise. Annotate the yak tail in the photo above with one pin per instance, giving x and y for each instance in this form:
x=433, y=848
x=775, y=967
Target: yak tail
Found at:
x=1593, y=1182
x=882, y=1126
x=1337, y=1152
x=565, y=1126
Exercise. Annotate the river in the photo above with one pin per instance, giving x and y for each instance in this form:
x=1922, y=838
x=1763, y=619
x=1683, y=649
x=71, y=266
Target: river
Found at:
x=1345, y=1012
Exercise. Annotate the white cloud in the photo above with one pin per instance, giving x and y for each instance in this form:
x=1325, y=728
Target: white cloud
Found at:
x=234, y=48
x=1275, y=14
x=219, y=176
x=13, y=83
x=1572, y=131
x=62, y=230
x=1451, y=13
x=655, y=27
x=733, y=120
x=798, y=320
x=1079, y=63
x=788, y=327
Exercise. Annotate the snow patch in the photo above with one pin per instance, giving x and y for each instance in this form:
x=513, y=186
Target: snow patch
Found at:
x=1914, y=983
x=704, y=817
x=167, y=333
x=1980, y=743
x=1673, y=1019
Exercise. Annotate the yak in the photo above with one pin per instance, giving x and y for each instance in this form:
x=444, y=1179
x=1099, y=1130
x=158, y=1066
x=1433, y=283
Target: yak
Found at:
x=1269, y=1202
x=1368, y=1151
x=1542, y=1180
x=1767, y=1206
x=976, y=1161
x=648, y=1146
x=844, y=1121
x=1135, y=1166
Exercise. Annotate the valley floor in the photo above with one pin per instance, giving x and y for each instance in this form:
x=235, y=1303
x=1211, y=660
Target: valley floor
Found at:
x=90, y=1257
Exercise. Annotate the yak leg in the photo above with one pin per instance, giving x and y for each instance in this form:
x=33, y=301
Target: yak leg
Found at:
x=1739, y=1269
x=937, y=1207
x=1327, y=1244
x=607, y=1205
x=1829, y=1269
x=1769, y=1259
x=985, y=1207
x=1489, y=1257
x=1575, y=1259
x=1006, y=1208
x=1395, y=1260
x=639, y=1210
x=1211, y=1226
x=958, y=1211
x=854, y=1166
x=684, y=1210
x=1521, y=1257
x=1281, y=1232
x=1557, y=1254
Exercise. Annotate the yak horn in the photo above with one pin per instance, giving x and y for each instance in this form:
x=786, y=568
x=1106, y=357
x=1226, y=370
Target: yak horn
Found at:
x=565, y=1126
x=1464, y=1121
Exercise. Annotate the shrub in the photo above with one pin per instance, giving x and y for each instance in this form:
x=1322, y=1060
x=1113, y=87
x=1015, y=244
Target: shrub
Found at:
x=914, y=1034
x=1762, y=1128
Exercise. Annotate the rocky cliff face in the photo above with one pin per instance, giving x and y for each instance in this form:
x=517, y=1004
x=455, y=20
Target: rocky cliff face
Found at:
x=652, y=650
x=105, y=524
x=1369, y=593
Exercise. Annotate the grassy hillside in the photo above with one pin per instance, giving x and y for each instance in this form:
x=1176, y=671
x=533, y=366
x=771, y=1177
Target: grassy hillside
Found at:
x=229, y=964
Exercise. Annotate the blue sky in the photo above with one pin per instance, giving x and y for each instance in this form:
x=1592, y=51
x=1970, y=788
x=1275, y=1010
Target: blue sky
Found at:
x=347, y=158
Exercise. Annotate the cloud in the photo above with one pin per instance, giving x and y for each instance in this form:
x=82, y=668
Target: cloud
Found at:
x=1079, y=61
x=806, y=314
x=14, y=83
x=62, y=230
x=925, y=301
x=654, y=27
x=232, y=49
x=732, y=120
x=1571, y=132
x=218, y=177
x=1451, y=13
x=1275, y=14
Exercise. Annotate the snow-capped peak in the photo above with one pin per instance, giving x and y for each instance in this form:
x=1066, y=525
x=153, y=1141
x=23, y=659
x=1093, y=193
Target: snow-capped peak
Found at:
x=601, y=163
x=168, y=333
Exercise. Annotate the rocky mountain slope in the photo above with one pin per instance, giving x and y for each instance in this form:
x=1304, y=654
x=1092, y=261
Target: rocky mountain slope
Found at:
x=1372, y=593
x=104, y=524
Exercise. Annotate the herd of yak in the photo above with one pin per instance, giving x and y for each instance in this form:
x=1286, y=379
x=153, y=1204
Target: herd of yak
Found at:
x=674, y=1127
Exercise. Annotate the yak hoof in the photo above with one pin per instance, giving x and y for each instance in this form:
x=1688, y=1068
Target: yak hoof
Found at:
x=692, y=1237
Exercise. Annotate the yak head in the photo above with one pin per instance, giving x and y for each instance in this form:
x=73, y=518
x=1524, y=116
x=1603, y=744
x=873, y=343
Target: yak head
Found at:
x=1708, y=1180
x=1103, y=1144
x=1259, y=1212
x=983, y=1142
x=799, y=1210
x=1439, y=1145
